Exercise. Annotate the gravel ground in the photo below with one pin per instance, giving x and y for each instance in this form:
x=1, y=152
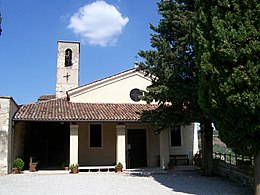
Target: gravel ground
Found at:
x=61, y=182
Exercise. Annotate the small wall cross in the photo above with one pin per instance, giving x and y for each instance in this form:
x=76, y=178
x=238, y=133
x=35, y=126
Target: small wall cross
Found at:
x=67, y=76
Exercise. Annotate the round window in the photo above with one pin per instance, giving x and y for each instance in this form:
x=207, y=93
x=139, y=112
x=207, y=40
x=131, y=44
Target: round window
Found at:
x=135, y=94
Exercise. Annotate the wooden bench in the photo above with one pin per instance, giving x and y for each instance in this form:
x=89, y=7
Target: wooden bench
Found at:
x=175, y=158
x=98, y=168
x=182, y=157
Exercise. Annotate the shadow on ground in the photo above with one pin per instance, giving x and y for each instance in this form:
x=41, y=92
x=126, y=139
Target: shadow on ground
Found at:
x=190, y=182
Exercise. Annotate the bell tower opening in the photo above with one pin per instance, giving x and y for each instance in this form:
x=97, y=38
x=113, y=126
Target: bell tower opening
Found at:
x=67, y=75
x=68, y=57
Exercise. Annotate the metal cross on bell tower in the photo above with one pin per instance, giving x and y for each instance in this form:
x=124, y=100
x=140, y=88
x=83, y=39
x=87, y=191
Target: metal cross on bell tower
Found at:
x=67, y=77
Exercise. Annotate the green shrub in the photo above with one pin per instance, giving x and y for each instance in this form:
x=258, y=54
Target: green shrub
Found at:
x=65, y=164
x=19, y=164
x=119, y=165
x=72, y=166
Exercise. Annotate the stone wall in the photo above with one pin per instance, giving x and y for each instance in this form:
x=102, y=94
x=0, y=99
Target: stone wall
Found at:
x=7, y=109
x=232, y=172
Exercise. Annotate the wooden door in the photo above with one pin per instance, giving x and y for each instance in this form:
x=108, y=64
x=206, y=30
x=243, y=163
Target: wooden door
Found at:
x=137, y=154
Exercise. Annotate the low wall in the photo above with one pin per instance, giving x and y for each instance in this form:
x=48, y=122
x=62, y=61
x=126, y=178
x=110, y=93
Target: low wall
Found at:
x=230, y=171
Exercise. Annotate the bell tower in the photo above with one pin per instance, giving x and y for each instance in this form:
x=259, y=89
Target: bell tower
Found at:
x=67, y=75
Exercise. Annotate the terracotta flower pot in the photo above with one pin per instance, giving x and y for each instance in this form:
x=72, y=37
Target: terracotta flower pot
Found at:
x=32, y=167
x=15, y=170
x=75, y=170
x=117, y=169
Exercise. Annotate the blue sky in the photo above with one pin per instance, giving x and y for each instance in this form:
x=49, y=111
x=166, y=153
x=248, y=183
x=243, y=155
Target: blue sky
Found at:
x=111, y=33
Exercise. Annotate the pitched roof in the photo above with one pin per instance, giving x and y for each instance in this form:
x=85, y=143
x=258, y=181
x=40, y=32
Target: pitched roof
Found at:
x=62, y=110
x=106, y=80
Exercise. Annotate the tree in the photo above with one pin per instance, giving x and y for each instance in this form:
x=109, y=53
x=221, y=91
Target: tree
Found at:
x=227, y=47
x=172, y=64
x=173, y=68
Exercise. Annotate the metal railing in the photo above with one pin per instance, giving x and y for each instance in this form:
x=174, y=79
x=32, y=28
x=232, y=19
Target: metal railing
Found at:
x=234, y=159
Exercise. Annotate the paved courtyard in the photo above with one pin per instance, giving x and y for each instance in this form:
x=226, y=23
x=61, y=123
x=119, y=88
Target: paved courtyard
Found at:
x=61, y=182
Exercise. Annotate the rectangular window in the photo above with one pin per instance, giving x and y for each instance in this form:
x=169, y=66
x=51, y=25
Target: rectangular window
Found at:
x=95, y=134
x=175, y=136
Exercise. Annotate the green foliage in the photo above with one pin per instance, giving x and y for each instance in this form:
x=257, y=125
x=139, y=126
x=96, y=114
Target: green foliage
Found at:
x=19, y=164
x=227, y=48
x=172, y=66
x=222, y=149
x=72, y=166
x=119, y=165
x=65, y=164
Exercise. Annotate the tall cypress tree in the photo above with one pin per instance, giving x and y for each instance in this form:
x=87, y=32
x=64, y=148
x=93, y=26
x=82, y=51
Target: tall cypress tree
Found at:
x=228, y=48
x=172, y=65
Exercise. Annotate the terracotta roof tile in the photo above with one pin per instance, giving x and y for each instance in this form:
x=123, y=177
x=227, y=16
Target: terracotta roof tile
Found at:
x=62, y=110
x=46, y=97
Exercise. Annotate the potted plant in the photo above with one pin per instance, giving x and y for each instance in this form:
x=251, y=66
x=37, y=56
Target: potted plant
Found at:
x=18, y=165
x=74, y=168
x=119, y=167
x=65, y=165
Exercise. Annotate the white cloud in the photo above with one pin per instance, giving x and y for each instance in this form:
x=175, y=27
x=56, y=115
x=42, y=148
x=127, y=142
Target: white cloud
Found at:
x=98, y=23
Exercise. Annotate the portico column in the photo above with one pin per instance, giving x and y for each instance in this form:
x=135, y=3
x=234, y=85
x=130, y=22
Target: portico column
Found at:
x=74, y=133
x=120, y=145
x=195, y=138
x=164, y=148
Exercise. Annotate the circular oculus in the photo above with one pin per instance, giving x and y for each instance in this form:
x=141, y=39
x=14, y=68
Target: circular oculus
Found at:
x=135, y=94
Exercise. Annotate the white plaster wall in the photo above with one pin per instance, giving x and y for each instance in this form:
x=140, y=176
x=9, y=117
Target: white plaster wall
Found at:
x=107, y=154
x=113, y=92
x=187, y=142
x=153, y=148
x=97, y=156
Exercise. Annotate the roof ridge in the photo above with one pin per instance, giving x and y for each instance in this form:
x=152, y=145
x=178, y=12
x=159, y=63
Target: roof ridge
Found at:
x=102, y=79
x=45, y=101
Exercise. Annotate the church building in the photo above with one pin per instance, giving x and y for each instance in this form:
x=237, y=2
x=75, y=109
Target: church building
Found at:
x=96, y=124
